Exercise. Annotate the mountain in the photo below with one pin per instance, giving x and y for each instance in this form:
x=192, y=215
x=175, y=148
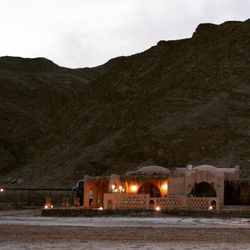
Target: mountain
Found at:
x=180, y=102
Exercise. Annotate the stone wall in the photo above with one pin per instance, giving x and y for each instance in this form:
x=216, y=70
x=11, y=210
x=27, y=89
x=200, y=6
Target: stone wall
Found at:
x=144, y=201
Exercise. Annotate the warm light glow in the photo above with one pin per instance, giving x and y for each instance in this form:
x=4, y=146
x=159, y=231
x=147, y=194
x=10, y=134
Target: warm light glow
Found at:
x=120, y=188
x=123, y=190
x=47, y=206
x=100, y=208
x=1, y=190
x=116, y=190
x=113, y=187
x=210, y=208
x=164, y=186
x=157, y=208
x=134, y=188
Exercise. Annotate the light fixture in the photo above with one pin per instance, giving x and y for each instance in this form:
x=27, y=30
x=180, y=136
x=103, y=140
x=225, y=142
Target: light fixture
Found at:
x=134, y=188
x=164, y=186
x=113, y=187
x=120, y=188
x=123, y=190
x=1, y=190
x=210, y=207
x=157, y=208
x=48, y=206
x=101, y=208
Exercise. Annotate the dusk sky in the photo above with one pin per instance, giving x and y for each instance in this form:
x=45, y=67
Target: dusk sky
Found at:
x=86, y=33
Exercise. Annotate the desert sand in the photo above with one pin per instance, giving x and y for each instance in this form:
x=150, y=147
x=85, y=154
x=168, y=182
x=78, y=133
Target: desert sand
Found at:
x=28, y=230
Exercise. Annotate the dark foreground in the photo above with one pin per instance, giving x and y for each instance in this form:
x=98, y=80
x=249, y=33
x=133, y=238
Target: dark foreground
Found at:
x=26, y=237
x=28, y=230
x=229, y=212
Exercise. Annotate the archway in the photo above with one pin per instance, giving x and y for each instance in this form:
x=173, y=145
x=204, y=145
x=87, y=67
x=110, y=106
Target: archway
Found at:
x=149, y=188
x=151, y=205
x=203, y=189
x=110, y=204
x=213, y=204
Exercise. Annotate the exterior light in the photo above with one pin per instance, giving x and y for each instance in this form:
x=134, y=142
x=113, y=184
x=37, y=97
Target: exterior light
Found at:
x=48, y=206
x=116, y=190
x=1, y=190
x=134, y=188
x=123, y=190
x=157, y=208
x=120, y=188
x=101, y=208
x=48, y=203
x=164, y=186
x=113, y=187
x=210, y=208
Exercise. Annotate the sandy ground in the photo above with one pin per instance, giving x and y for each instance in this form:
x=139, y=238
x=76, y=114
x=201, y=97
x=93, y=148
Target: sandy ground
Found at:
x=28, y=230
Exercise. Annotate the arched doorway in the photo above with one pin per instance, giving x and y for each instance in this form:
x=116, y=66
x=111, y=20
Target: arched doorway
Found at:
x=149, y=188
x=110, y=204
x=203, y=189
x=213, y=204
x=151, y=205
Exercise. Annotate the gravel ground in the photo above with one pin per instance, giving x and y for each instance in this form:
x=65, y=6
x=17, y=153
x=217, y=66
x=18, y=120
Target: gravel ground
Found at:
x=27, y=230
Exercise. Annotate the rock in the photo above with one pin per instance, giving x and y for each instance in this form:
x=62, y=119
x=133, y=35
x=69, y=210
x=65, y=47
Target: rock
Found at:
x=180, y=102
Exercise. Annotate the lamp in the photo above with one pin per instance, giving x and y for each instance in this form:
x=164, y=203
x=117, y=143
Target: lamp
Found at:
x=164, y=186
x=133, y=188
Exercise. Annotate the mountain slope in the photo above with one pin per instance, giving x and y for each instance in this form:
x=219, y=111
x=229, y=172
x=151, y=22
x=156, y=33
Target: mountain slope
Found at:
x=177, y=103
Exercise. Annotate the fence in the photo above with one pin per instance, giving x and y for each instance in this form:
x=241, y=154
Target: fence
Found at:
x=34, y=197
x=136, y=201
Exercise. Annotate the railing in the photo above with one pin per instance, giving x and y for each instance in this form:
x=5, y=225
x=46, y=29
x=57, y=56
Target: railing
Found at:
x=201, y=203
x=133, y=201
x=168, y=202
x=144, y=201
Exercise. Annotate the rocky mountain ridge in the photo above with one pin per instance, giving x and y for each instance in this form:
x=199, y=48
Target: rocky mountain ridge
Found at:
x=180, y=102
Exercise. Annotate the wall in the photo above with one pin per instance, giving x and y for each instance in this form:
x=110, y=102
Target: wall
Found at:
x=216, y=179
x=176, y=186
x=99, y=186
x=133, y=201
x=237, y=192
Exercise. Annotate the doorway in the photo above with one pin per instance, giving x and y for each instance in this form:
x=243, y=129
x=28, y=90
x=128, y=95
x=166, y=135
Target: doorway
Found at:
x=149, y=188
x=203, y=189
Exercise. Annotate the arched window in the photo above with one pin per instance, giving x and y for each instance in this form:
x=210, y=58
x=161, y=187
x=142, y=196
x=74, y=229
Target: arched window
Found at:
x=203, y=189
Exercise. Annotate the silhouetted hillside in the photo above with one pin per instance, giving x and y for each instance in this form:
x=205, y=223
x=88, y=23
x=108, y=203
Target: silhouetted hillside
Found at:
x=180, y=102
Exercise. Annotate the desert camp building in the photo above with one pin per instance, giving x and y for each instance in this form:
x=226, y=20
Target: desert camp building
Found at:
x=156, y=187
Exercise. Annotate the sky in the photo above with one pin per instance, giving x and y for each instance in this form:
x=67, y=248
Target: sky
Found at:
x=87, y=33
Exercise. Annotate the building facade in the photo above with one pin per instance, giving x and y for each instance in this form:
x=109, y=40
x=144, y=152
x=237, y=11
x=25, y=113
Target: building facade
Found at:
x=156, y=187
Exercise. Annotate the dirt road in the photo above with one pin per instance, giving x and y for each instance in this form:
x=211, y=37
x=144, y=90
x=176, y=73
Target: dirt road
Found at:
x=35, y=232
